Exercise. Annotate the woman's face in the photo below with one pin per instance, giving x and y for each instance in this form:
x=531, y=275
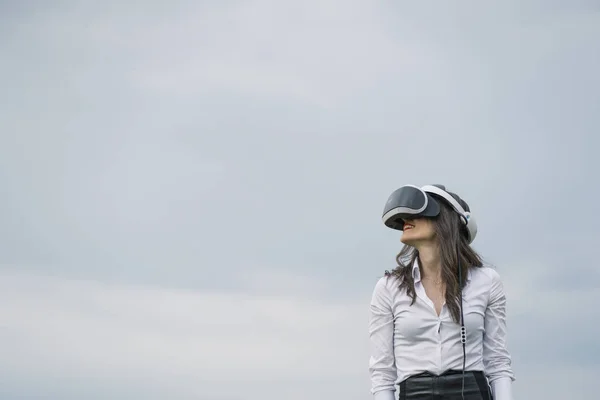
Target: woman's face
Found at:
x=418, y=230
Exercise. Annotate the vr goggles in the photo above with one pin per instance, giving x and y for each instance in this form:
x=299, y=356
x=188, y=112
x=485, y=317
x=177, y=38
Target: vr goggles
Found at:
x=411, y=202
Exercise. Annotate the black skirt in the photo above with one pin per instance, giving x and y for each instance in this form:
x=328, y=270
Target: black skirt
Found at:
x=448, y=386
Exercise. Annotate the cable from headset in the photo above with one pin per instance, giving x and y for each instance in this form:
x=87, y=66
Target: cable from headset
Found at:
x=463, y=332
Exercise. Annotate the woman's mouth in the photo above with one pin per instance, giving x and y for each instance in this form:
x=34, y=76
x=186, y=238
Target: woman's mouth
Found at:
x=407, y=227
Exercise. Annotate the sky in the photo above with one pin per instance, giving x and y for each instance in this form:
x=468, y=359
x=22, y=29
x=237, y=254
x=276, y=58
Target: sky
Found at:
x=191, y=192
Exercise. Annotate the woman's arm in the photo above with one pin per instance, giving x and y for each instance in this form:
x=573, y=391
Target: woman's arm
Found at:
x=496, y=358
x=382, y=365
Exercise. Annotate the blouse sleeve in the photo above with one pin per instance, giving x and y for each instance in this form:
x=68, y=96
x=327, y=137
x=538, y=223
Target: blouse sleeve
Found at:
x=382, y=365
x=496, y=357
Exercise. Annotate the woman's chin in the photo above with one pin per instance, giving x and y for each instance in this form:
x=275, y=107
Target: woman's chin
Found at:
x=407, y=238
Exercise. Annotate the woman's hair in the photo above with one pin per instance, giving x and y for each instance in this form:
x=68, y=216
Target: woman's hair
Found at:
x=451, y=235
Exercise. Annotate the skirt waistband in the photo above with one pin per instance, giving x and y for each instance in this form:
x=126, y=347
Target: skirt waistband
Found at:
x=449, y=372
x=448, y=385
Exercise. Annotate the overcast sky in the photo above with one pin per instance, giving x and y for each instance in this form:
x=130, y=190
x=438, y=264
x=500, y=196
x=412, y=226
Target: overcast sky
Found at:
x=191, y=192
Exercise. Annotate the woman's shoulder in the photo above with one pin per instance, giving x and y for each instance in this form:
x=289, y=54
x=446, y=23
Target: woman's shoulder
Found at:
x=490, y=278
x=387, y=283
x=385, y=291
x=486, y=272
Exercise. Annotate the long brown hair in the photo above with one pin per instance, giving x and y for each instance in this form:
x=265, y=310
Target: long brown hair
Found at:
x=452, y=240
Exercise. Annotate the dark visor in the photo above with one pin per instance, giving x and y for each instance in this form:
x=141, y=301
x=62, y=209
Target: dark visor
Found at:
x=408, y=202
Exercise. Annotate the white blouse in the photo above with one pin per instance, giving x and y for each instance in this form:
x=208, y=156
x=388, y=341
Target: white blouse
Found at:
x=407, y=340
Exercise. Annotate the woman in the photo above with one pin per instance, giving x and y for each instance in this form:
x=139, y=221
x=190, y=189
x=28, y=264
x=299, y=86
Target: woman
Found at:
x=437, y=323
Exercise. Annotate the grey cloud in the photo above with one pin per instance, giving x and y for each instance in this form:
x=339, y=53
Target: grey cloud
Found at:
x=188, y=343
x=192, y=145
x=326, y=164
x=563, y=339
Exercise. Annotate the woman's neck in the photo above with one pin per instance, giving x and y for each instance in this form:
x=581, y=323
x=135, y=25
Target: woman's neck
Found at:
x=430, y=262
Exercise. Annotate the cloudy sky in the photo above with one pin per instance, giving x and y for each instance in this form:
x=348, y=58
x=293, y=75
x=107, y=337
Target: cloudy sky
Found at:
x=191, y=192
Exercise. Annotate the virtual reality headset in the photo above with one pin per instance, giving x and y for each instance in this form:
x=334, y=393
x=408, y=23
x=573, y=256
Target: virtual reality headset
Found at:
x=410, y=202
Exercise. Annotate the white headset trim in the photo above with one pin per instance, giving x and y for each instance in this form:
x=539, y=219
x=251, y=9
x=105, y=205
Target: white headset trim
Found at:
x=440, y=192
x=466, y=217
